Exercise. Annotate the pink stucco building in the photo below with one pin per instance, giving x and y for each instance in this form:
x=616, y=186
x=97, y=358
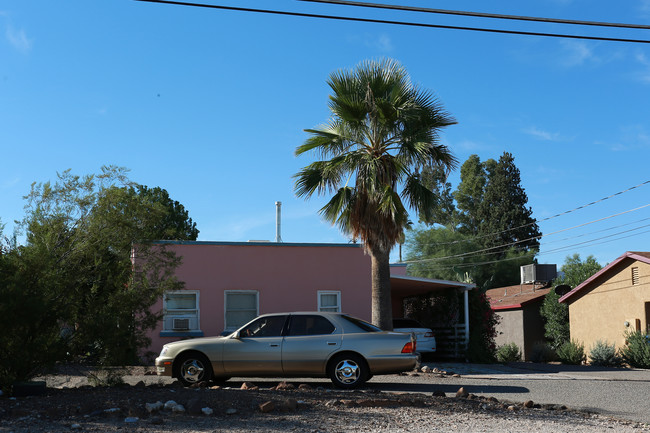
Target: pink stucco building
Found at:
x=229, y=283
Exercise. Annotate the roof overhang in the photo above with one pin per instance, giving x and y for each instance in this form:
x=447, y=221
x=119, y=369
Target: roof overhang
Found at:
x=412, y=286
x=588, y=281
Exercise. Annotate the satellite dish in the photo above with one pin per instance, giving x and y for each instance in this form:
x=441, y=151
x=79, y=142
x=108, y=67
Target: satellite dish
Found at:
x=562, y=289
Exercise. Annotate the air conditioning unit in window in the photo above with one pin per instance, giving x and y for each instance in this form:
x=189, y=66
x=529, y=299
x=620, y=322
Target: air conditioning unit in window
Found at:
x=181, y=324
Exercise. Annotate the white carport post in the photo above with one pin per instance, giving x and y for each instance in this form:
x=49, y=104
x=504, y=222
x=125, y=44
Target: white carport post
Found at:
x=466, y=305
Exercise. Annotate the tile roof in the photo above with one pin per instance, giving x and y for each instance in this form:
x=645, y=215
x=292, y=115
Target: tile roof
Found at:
x=512, y=297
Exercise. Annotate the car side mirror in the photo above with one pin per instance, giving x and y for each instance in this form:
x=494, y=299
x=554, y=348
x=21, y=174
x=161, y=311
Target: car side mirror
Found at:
x=236, y=335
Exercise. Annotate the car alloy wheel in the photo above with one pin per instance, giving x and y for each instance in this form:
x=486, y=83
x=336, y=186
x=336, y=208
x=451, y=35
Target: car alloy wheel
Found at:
x=348, y=371
x=194, y=368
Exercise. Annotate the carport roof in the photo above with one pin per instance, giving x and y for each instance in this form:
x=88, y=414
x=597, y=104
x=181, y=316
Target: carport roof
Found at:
x=412, y=286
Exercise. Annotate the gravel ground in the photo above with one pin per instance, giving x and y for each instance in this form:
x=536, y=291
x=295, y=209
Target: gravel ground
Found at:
x=79, y=407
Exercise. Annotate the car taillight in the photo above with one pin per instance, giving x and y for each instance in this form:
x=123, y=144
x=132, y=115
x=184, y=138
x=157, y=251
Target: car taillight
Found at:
x=429, y=335
x=409, y=347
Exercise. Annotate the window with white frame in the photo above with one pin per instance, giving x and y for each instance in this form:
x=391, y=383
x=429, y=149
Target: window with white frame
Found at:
x=241, y=306
x=181, y=311
x=329, y=301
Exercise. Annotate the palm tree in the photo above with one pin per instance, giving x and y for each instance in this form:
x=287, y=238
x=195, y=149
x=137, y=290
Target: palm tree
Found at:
x=382, y=130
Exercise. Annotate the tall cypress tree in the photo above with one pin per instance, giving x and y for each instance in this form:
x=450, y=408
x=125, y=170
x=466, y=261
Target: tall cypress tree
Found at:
x=503, y=215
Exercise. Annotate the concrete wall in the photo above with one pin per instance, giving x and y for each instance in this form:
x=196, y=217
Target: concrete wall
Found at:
x=600, y=312
x=287, y=276
x=523, y=326
x=510, y=328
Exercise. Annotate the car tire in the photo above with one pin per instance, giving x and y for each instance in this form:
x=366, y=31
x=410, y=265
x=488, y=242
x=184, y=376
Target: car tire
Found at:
x=193, y=368
x=348, y=371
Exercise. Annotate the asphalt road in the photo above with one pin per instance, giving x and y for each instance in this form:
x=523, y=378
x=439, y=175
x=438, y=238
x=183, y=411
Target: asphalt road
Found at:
x=621, y=393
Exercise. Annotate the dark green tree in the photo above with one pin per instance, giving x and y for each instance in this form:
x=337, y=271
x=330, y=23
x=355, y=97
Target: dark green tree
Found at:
x=173, y=222
x=556, y=320
x=575, y=271
x=441, y=253
x=444, y=213
x=86, y=298
x=383, y=130
x=556, y=315
x=503, y=217
x=469, y=194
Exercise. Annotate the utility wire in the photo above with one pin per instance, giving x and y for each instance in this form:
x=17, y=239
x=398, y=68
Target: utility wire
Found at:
x=433, y=266
x=549, y=218
x=402, y=23
x=480, y=14
x=499, y=247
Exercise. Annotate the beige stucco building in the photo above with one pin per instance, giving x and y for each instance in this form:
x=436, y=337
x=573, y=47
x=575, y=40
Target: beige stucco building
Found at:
x=615, y=299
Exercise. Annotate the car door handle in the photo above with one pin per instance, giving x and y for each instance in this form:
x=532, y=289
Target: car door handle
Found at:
x=330, y=343
x=274, y=345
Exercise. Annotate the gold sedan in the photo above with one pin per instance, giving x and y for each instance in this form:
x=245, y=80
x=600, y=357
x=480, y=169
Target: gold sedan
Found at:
x=347, y=350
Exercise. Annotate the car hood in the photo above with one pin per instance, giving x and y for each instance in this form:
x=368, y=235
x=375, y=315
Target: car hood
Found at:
x=196, y=341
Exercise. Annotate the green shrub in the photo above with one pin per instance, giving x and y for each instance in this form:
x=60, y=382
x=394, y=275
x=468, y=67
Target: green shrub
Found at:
x=542, y=352
x=636, y=351
x=604, y=355
x=509, y=353
x=572, y=353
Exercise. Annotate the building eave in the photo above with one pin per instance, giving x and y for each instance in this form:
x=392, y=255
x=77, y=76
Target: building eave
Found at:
x=627, y=255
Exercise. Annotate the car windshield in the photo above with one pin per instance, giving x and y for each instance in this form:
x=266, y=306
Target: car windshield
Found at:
x=406, y=323
x=368, y=327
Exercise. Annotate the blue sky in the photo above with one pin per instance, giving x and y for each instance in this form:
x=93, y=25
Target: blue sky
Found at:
x=211, y=104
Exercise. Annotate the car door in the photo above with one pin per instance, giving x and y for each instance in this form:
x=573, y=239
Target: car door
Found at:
x=257, y=349
x=309, y=341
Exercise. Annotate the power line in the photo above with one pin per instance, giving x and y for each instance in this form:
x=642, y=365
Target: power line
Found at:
x=480, y=14
x=433, y=266
x=402, y=23
x=510, y=244
x=552, y=217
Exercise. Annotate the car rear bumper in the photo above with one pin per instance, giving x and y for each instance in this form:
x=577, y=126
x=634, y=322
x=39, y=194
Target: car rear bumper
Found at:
x=389, y=364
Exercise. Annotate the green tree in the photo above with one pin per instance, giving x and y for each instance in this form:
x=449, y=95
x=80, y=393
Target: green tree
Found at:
x=173, y=222
x=503, y=217
x=444, y=213
x=78, y=256
x=382, y=130
x=441, y=253
x=556, y=320
x=556, y=315
x=469, y=194
x=575, y=271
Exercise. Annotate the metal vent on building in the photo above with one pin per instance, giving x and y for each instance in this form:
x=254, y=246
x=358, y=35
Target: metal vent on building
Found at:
x=181, y=324
x=537, y=273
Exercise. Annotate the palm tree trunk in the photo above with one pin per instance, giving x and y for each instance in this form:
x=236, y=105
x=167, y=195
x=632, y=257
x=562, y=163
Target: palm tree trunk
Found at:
x=382, y=311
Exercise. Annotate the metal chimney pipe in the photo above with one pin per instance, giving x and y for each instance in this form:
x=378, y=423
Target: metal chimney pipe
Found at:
x=278, y=221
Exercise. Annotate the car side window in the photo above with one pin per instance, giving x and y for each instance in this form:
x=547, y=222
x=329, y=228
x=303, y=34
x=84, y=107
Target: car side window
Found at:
x=264, y=327
x=310, y=325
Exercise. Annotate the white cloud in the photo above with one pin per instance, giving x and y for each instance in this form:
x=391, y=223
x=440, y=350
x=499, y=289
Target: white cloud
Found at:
x=645, y=7
x=577, y=53
x=381, y=43
x=18, y=39
x=8, y=184
x=633, y=138
x=644, y=74
x=543, y=135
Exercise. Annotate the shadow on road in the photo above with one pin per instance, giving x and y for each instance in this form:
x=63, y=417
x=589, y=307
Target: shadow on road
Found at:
x=446, y=388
